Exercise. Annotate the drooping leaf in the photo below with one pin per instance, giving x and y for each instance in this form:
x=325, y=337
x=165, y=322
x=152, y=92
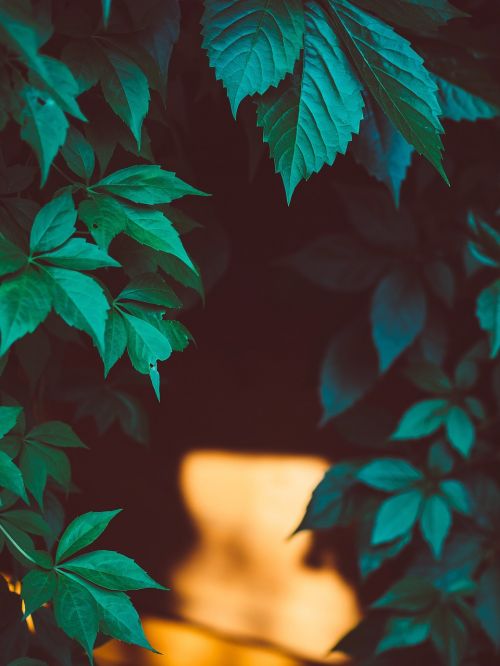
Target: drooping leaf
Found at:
x=55, y=433
x=150, y=288
x=435, y=523
x=38, y=587
x=390, y=474
x=459, y=104
x=456, y=494
x=11, y=477
x=8, y=418
x=25, y=302
x=12, y=258
x=396, y=77
x=488, y=313
x=312, y=116
x=396, y=516
x=79, y=255
x=111, y=570
x=460, y=430
x=252, y=44
x=76, y=613
x=53, y=224
x=78, y=154
x=83, y=531
x=53, y=77
x=115, y=340
x=146, y=344
x=422, y=419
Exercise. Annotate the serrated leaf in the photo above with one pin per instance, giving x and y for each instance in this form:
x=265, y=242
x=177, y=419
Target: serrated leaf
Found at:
x=422, y=419
x=104, y=218
x=79, y=255
x=25, y=302
x=146, y=344
x=55, y=433
x=12, y=258
x=111, y=570
x=313, y=115
x=76, y=613
x=252, y=44
x=80, y=301
x=435, y=523
x=460, y=430
x=83, y=531
x=459, y=104
x=186, y=275
x=390, y=474
x=115, y=340
x=11, y=477
x=416, y=15
x=125, y=88
x=396, y=77
x=43, y=126
x=488, y=313
x=150, y=288
x=48, y=461
x=8, y=419
x=396, y=516
x=55, y=78
x=177, y=334
x=38, y=588
x=78, y=154
x=398, y=313
x=382, y=149
x=146, y=184
x=54, y=223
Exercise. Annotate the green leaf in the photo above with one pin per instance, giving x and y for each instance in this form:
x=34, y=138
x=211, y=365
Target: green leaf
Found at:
x=150, y=288
x=53, y=224
x=456, y=494
x=390, y=474
x=55, y=78
x=115, y=340
x=28, y=521
x=429, y=377
x=459, y=104
x=55, y=433
x=488, y=313
x=25, y=302
x=19, y=31
x=488, y=603
x=79, y=255
x=80, y=301
x=78, y=154
x=38, y=588
x=12, y=258
x=416, y=15
x=396, y=77
x=435, y=523
x=382, y=149
x=11, y=477
x=43, y=126
x=404, y=632
x=252, y=44
x=125, y=88
x=449, y=635
x=8, y=419
x=188, y=276
x=422, y=419
x=83, y=531
x=338, y=262
x=111, y=570
x=349, y=369
x=398, y=313
x=22, y=547
x=104, y=217
x=76, y=613
x=106, y=10
x=460, y=430
x=410, y=594
x=396, y=516
x=146, y=344
x=146, y=184
x=312, y=116
x=177, y=334
x=47, y=460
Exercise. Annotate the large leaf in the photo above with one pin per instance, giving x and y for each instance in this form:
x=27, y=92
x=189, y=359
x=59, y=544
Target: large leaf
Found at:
x=416, y=15
x=38, y=587
x=459, y=104
x=460, y=430
x=252, y=44
x=53, y=224
x=104, y=218
x=80, y=301
x=79, y=255
x=111, y=570
x=422, y=419
x=115, y=340
x=396, y=516
x=396, y=77
x=488, y=313
x=83, y=531
x=25, y=302
x=313, y=115
x=390, y=474
x=398, y=313
x=76, y=613
x=146, y=344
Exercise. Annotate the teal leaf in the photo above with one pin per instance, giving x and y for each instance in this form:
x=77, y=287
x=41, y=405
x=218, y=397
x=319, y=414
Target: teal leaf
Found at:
x=435, y=523
x=456, y=494
x=382, y=149
x=404, y=632
x=416, y=15
x=83, y=531
x=106, y=10
x=488, y=603
x=460, y=430
x=111, y=570
x=410, y=594
x=252, y=44
x=104, y=217
x=38, y=588
x=187, y=275
x=80, y=301
x=38, y=461
x=76, y=613
x=349, y=369
x=28, y=521
x=390, y=474
x=396, y=516
x=396, y=77
x=25, y=302
x=125, y=88
x=8, y=419
x=54, y=223
x=398, y=313
x=55, y=433
x=55, y=78
x=150, y=288
x=146, y=344
x=11, y=477
x=338, y=262
x=43, y=126
x=146, y=184
x=78, y=154
x=115, y=340
x=312, y=116
x=154, y=376
x=459, y=104
x=79, y=255
x=422, y=419
x=177, y=334
x=488, y=313
x=12, y=258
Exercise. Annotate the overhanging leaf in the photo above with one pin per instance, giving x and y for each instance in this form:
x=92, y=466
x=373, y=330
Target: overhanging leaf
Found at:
x=83, y=531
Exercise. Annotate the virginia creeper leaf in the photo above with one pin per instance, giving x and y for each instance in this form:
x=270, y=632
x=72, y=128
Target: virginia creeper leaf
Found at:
x=83, y=531
x=76, y=613
x=53, y=224
x=38, y=587
x=435, y=523
x=422, y=419
x=78, y=154
x=396, y=516
x=79, y=255
x=390, y=474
